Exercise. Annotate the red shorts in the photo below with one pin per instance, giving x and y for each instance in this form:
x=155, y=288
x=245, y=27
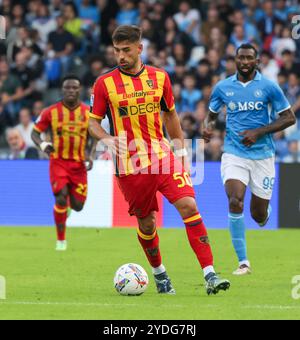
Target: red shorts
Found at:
x=140, y=189
x=69, y=173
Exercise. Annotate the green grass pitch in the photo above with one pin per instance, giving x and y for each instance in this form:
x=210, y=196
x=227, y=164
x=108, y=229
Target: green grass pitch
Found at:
x=44, y=284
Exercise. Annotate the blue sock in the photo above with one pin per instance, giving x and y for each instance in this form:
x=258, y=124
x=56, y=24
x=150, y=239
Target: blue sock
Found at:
x=238, y=235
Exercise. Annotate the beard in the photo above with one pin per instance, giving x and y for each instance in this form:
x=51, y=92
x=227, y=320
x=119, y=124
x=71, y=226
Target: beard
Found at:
x=247, y=73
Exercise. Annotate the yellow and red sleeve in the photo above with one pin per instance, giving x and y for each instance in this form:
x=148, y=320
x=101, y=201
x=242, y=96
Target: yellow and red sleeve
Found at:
x=167, y=100
x=98, y=103
x=43, y=122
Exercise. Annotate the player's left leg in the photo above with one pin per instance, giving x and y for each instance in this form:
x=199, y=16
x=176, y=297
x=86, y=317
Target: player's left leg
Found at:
x=76, y=204
x=198, y=238
x=78, y=186
x=260, y=210
x=261, y=184
x=59, y=182
x=149, y=240
x=177, y=187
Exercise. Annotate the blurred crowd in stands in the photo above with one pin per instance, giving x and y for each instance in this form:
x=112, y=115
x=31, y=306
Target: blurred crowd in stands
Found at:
x=194, y=41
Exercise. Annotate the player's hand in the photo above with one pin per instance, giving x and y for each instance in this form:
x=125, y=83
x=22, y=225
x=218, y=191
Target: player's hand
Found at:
x=250, y=137
x=207, y=135
x=186, y=164
x=183, y=157
x=117, y=145
x=47, y=148
x=89, y=164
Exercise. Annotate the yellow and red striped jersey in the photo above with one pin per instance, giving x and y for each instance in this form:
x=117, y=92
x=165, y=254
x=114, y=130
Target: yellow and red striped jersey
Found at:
x=69, y=130
x=133, y=104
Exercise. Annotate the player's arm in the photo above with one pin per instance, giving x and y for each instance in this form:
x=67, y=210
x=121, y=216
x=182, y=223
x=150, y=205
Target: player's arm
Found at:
x=90, y=152
x=173, y=127
x=117, y=145
x=209, y=126
x=286, y=119
x=172, y=121
x=42, y=124
x=40, y=143
x=215, y=105
x=99, y=103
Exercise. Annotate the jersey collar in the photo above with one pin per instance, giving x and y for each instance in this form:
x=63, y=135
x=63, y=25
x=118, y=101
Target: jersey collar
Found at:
x=131, y=74
x=66, y=106
x=257, y=77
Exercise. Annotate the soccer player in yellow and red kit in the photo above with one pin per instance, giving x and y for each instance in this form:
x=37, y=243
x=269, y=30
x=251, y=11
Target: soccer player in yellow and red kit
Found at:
x=67, y=122
x=132, y=96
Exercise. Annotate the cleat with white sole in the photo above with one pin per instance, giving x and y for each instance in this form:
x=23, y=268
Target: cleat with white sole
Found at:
x=163, y=284
x=61, y=246
x=214, y=284
x=242, y=270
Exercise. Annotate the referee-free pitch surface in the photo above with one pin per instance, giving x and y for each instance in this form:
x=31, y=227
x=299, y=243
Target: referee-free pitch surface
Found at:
x=78, y=284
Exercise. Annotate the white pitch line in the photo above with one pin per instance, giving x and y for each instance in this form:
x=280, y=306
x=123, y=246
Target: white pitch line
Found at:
x=76, y=304
x=79, y=304
x=270, y=307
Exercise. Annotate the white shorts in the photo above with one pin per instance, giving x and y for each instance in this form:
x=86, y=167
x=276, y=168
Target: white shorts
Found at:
x=259, y=175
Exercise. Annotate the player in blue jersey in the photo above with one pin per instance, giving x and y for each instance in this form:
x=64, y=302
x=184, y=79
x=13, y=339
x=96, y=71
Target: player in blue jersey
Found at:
x=256, y=108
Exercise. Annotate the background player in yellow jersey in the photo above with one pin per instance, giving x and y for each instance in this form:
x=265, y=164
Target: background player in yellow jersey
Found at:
x=67, y=121
x=132, y=96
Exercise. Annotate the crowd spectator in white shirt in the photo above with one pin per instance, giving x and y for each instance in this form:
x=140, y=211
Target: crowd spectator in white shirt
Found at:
x=26, y=125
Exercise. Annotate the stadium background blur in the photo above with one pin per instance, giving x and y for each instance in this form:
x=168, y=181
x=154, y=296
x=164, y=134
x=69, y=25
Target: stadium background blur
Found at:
x=195, y=41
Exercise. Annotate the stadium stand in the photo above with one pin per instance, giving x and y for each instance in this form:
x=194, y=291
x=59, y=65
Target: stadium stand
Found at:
x=194, y=41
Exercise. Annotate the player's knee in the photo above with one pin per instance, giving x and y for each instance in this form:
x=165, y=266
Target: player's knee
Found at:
x=236, y=205
x=148, y=225
x=188, y=207
x=61, y=200
x=77, y=206
x=258, y=215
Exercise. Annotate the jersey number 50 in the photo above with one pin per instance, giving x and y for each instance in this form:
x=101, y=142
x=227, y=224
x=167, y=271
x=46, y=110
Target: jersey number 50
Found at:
x=184, y=179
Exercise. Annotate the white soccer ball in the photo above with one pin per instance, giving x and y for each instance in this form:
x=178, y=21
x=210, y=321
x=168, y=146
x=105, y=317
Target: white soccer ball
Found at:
x=131, y=279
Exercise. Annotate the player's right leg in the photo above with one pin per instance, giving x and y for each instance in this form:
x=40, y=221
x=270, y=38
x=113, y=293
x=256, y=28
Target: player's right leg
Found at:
x=59, y=182
x=149, y=240
x=60, y=217
x=140, y=193
x=235, y=173
x=235, y=191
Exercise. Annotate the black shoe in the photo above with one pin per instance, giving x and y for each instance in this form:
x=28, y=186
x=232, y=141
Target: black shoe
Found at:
x=214, y=284
x=163, y=284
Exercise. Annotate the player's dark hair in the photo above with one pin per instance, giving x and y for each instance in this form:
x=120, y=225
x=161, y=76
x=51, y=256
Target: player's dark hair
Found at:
x=70, y=77
x=247, y=47
x=128, y=33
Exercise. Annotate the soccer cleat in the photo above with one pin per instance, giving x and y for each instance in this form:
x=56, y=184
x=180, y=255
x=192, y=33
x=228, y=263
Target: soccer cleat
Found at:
x=242, y=270
x=267, y=219
x=163, y=284
x=61, y=246
x=214, y=284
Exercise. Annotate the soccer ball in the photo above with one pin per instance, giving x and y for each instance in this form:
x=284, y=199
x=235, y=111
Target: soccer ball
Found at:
x=131, y=279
